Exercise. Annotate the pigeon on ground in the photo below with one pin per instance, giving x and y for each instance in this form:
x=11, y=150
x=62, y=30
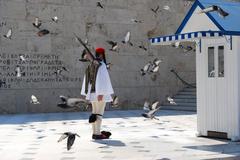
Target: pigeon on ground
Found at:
x=127, y=39
x=71, y=138
x=155, y=10
x=34, y=100
x=214, y=8
x=114, y=45
x=43, y=32
x=18, y=72
x=115, y=101
x=9, y=34
x=71, y=102
x=37, y=23
x=55, y=19
x=152, y=110
x=171, y=101
x=99, y=4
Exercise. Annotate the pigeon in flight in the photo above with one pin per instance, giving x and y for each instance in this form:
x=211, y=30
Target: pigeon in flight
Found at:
x=136, y=21
x=115, y=101
x=157, y=61
x=171, y=101
x=215, y=8
x=155, y=10
x=186, y=49
x=114, y=45
x=142, y=47
x=9, y=34
x=146, y=106
x=152, y=110
x=1, y=83
x=127, y=39
x=34, y=100
x=37, y=23
x=166, y=8
x=18, y=72
x=71, y=102
x=155, y=65
x=176, y=44
x=109, y=65
x=71, y=138
x=59, y=71
x=99, y=4
x=43, y=32
x=55, y=19
x=146, y=68
x=22, y=58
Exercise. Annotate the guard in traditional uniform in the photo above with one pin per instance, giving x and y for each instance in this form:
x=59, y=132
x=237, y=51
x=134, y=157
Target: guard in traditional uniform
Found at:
x=97, y=88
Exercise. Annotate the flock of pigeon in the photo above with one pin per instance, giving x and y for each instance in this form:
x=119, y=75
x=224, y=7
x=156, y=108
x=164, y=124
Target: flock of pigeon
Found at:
x=150, y=68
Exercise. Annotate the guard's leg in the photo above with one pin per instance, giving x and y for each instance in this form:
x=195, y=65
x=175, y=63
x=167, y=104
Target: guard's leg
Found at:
x=94, y=112
x=100, y=111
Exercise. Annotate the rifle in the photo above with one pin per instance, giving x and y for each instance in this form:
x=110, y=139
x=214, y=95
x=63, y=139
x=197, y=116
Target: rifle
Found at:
x=92, y=58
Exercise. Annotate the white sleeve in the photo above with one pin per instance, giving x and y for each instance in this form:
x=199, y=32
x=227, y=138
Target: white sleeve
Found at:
x=83, y=87
x=103, y=84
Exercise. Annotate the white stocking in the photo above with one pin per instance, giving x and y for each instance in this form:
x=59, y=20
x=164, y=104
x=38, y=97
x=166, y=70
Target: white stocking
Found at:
x=94, y=111
x=100, y=110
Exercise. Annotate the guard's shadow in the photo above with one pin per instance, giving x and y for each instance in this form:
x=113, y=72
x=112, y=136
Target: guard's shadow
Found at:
x=110, y=142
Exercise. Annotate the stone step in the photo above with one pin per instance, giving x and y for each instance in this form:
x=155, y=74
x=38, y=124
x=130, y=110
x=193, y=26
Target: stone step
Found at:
x=178, y=105
x=182, y=108
x=190, y=89
x=184, y=96
x=186, y=93
x=193, y=104
x=184, y=100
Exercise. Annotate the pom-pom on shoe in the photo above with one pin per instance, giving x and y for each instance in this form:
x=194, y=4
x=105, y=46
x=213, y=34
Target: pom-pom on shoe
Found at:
x=106, y=133
x=98, y=137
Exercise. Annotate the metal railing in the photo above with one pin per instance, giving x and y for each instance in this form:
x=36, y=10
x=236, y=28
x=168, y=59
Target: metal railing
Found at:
x=183, y=81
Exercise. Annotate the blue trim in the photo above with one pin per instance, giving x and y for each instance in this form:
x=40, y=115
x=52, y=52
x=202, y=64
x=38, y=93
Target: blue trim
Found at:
x=176, y=37
x=196, y=34
x=189, y=14
x=193, y=35
x=187, y=17
x=211, y=17
x=182, y=36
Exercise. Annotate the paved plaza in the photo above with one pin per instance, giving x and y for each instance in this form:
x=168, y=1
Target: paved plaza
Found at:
x=34, y=137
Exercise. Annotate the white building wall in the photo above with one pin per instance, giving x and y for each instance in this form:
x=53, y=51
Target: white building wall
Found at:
x=217, y=98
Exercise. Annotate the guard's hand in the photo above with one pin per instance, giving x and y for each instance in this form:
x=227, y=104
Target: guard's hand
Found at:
x=100, y=97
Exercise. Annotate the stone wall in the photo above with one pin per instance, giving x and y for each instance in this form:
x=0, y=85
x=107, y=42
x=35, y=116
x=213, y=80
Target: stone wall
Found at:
x=45, y=54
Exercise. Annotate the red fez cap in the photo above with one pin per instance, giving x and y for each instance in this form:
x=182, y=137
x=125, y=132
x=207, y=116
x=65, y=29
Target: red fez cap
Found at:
x=100, y=50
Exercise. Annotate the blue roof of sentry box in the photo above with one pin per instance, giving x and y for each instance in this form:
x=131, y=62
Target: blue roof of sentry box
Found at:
x=229, y=24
